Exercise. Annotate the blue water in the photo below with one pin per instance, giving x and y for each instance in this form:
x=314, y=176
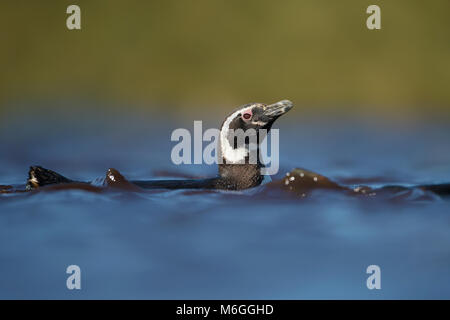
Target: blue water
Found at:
x=222, y=245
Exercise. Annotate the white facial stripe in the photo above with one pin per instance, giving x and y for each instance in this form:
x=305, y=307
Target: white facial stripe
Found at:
x=228, y=152
x=259, y=123
x=33, y=178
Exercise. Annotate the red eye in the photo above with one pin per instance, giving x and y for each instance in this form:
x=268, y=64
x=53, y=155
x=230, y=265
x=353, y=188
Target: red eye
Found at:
x=247, y=116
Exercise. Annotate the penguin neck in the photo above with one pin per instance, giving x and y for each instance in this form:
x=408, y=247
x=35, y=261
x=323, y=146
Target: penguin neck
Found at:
x=241, y=175
x=236, y=168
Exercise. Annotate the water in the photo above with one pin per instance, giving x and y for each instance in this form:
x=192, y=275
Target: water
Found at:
x=191, y=245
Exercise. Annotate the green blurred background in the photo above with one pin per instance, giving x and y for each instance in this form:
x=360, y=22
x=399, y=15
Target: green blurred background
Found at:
x=214, y=53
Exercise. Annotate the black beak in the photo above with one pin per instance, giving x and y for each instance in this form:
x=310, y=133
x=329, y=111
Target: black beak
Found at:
x=273, y=111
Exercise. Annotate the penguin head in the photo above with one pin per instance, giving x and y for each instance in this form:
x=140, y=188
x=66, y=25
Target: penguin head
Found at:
x=248, y=119
x=256, y=116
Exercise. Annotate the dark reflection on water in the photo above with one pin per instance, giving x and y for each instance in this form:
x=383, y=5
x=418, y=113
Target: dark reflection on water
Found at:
x=222, y=245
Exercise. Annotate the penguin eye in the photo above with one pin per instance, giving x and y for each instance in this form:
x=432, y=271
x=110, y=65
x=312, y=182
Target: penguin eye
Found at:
x=247, y=116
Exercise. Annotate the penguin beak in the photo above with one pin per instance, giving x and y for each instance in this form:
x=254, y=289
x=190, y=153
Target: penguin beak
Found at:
x=273, y=111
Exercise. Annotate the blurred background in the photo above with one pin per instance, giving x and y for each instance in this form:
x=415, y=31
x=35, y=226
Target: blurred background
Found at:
x=210, y=54
x=371, y=108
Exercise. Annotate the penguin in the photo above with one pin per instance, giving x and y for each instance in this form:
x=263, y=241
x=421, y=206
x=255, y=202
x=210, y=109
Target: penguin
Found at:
x=237, y=169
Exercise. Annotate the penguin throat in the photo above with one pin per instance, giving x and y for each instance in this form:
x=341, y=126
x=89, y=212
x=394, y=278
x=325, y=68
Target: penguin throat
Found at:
x=231, y=155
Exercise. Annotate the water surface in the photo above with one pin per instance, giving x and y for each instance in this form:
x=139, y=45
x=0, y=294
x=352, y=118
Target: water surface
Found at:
x=191, y=245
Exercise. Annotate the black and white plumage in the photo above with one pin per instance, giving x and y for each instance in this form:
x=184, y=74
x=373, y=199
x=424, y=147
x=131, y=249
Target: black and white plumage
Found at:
x=236, y=170
x=255, y=120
